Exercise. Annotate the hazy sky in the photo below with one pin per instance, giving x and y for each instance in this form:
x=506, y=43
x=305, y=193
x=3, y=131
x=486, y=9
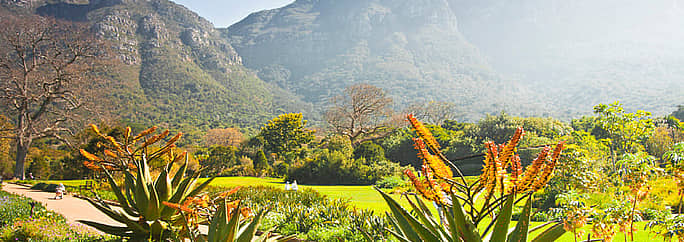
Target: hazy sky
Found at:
x=223, y=13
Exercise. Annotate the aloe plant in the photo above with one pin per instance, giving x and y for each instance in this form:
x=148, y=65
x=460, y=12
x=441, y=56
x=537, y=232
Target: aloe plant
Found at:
x=141, y=196
x=457, y=198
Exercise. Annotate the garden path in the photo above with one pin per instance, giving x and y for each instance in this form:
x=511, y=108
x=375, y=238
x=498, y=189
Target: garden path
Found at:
x=71, y=207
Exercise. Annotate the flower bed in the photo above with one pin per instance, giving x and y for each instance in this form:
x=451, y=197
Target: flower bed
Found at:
x=19, y=223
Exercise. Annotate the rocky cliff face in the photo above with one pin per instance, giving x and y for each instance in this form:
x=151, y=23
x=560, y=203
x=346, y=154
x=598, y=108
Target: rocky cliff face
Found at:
x=413, y=49
x=175, y=68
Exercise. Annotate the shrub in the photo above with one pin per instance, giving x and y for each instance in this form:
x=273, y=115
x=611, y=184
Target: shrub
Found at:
x=390, y=182
x=370, y=151
x=308, y=213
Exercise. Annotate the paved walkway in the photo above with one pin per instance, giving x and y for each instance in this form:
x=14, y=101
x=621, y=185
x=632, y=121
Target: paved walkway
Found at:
x=71, y=207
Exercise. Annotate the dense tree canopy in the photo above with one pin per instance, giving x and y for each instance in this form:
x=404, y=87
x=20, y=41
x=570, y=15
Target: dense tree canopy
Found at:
x=286, y=133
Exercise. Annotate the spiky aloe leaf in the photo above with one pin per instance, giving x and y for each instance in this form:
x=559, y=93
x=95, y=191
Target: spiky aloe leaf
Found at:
x=423, y=213
x=247, y=233
x=519, y=234
x=154, y=205
x=120, y=196
x=503, y=220
x=465, y=227
x=142, y=193
x=113, y=230
x=163, y=186
x=217, y=227
x=551, y=234
x=233, y=223
x=119, y=217
x=413, y=229
x=129, y=184
x=178, y=177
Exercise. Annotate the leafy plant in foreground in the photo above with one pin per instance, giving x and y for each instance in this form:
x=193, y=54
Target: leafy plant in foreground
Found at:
x=141, y=196
x=456, y=198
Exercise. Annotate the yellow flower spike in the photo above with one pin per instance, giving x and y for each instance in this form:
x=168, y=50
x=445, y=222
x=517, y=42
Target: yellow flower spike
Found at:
x=114, y=143
x=89, y=156
x=95, y=129
x=424, y=133
x=128, y=133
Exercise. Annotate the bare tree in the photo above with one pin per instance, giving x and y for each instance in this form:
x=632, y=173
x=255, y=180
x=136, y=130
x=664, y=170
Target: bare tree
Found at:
x=435, y=112
x=360, y=113
x=43, y=63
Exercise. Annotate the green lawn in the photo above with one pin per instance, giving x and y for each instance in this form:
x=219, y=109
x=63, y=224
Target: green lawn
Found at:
x=364, y=197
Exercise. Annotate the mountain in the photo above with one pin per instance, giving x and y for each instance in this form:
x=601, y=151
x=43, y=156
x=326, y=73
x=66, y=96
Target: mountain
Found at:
x=583, y=52
x=174, y=70
x=411, y=48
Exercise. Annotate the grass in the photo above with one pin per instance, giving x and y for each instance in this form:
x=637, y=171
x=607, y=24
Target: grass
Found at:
x=363, y=197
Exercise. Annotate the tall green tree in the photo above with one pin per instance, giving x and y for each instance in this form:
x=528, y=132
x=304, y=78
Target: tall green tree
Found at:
x=627, y=131
x=261, y=162
x=286, y=133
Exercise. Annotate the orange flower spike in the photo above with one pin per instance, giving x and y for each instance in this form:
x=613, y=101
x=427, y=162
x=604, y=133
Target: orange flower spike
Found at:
x=156, y=138
x=440, y=169
x=89, y=156
x=174, y=139
x=485, y=168
x=424, y=133
x=420, y=186
x=110, y=154
x=532, y=171
x=145, y=133
x=548, y=168
x=179, y=207
x=227, y=193
x=246, y=212
x=508, y=150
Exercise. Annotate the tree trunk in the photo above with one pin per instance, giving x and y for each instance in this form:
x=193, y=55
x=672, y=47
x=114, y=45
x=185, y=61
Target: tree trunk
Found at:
x=22, y=150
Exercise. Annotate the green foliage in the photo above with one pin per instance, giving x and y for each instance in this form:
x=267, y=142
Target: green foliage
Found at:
x=39, y=167
x=334, y=167
x=339, y=143
x=309, y=214
x=390, y=182
x=627, y=131
x=369, y=151
x=217, y=160
x=260, y=162
x=286, y=133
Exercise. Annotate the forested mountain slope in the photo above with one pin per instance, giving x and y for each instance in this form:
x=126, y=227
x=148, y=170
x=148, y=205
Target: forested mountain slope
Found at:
x=174, y=69
x=413, y=49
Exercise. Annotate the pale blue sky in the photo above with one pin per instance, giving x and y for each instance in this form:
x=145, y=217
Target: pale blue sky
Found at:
x=223, y=13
